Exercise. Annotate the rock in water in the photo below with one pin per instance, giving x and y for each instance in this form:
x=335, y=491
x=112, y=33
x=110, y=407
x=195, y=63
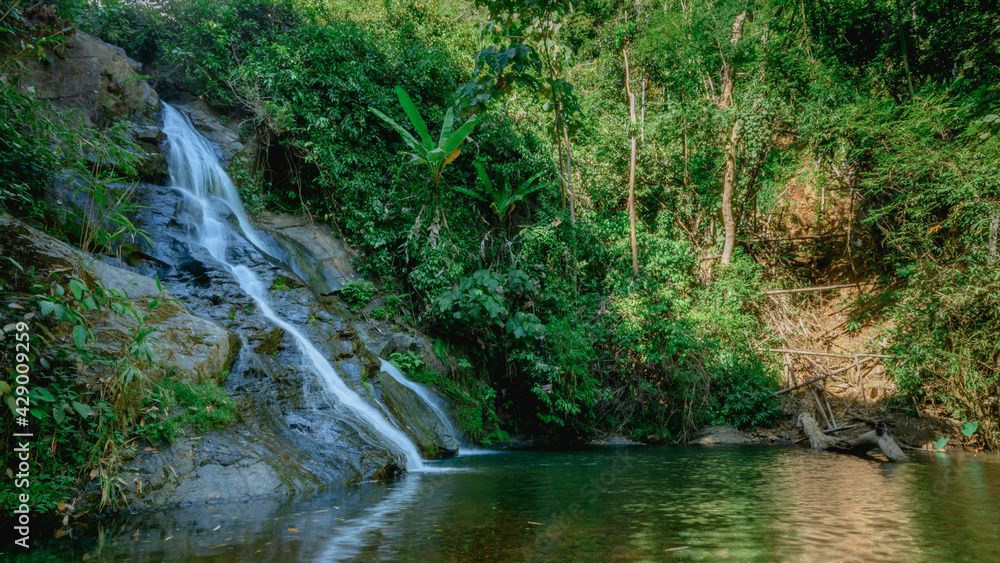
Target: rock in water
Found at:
x=720, y=435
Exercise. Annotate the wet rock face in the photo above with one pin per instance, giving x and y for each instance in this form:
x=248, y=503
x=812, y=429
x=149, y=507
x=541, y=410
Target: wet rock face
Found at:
x=233, y=464
x=425, y=428
x=90, y=83
x=317, y=255
x=288, y=423
x=398, y=342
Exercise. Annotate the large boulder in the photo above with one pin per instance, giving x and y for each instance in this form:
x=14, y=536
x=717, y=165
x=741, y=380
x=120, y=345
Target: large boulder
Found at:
x=91, y=83
x=256, y=459
x=316, y=254
x=425, y=424
x=720, y=435
x=88, y=75
x=188, y=346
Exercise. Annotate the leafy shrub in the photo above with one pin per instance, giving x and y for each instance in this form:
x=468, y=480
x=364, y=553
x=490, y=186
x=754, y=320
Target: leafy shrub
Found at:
x=175, y=407
x=357, y=294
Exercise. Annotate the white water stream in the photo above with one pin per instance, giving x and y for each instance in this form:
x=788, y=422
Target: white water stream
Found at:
x=197, y=172
x=425, y=395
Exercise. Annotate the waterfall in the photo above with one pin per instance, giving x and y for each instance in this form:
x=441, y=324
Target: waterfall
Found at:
x=425, y=395
x=196, y=172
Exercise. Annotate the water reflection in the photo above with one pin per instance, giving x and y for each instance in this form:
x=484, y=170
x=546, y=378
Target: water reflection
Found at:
x=638, y=504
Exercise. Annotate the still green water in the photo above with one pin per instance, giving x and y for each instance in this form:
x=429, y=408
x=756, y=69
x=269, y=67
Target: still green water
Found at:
x=742, y=503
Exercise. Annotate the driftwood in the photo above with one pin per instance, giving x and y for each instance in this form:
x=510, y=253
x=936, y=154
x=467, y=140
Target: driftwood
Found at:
x=859, y=445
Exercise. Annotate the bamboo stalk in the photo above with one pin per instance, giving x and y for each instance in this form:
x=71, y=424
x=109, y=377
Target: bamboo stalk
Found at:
x=824, y=376
x=801, y=385
x=861, y=382
x=823, y=288
x=809, y=353
x=810, y=237
x=819, y=405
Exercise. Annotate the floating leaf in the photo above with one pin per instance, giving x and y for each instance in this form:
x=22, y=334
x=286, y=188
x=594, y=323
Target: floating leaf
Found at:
x=941, y=443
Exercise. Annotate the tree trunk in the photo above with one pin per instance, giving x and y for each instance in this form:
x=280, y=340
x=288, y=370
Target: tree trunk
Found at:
x=994, y=227
x=569, y=175
x=902, y=45
x=727, y=195
x=729, y=179
x=631, y=168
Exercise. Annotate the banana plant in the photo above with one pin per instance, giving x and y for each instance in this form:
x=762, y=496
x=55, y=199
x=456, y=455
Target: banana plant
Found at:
x=502, y=199
x=435, y=156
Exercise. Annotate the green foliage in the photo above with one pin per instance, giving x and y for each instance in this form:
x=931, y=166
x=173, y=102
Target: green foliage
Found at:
x=88, y=423
x=176, y=407
x=37, y=150
x=564, y=337
x=357, y=294
x=481, y=304
x=26, y=157
x=502, y=199
x=933, y=200
x=434, y=156
x=249, y=180
x=743, y=393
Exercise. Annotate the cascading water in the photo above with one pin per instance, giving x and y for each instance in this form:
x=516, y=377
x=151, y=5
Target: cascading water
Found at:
x=196, y=171
x=426, y=396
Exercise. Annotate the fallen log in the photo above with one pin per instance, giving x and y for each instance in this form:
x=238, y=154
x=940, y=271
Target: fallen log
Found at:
x=880, y=437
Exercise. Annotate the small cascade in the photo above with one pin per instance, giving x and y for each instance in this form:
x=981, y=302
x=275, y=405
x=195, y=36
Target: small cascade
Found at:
x=214, y=205
x=431, y=400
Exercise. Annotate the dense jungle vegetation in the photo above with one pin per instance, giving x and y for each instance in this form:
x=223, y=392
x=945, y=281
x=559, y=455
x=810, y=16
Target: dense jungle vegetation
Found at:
x=588, y=237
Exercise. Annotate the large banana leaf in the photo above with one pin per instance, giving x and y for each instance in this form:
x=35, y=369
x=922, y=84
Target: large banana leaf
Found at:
x=407, y=136
x=435, y=157
x=411, y=112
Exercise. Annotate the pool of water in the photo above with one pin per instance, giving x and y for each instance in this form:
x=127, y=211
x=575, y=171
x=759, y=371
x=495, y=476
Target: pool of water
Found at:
x=743, y=503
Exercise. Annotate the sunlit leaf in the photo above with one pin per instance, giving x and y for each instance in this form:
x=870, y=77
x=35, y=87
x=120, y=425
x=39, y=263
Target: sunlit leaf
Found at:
x=969, y=428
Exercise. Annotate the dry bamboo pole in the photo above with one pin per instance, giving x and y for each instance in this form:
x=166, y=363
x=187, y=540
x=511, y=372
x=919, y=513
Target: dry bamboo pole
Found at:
x=822, y=288
x=829, y=407
x=824, y=376
x=811, y=237
x=800, y=385
x=819, y=405
x=827, y=354
x=861, y=382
